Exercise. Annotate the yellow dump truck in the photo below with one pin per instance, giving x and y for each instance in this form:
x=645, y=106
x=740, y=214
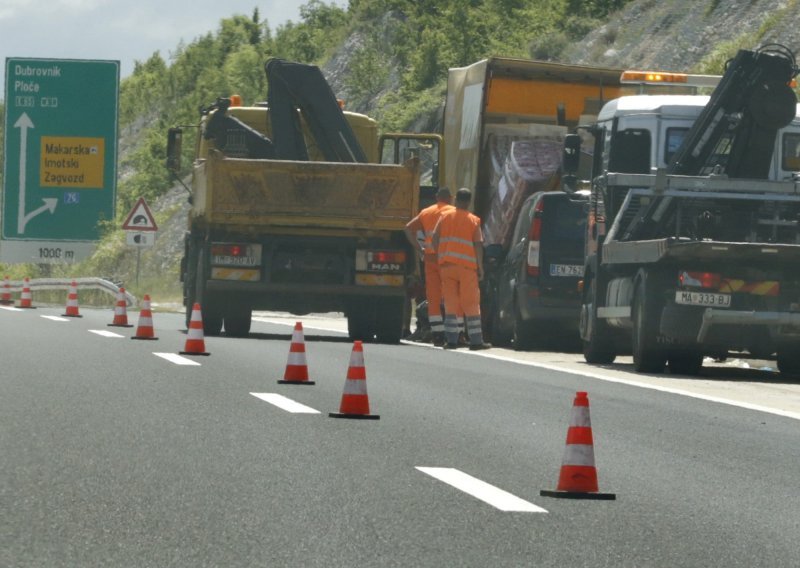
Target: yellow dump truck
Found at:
x=312, y=234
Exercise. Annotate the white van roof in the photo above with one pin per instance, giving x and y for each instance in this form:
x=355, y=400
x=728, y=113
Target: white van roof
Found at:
x=671, y=105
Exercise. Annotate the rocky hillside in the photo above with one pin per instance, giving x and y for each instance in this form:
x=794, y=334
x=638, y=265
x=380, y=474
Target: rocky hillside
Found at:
x=683, y=35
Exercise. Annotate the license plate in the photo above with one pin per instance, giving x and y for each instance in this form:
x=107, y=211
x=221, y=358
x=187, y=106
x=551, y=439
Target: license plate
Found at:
x=703, y=299
x=233, y=260
x=566, y=270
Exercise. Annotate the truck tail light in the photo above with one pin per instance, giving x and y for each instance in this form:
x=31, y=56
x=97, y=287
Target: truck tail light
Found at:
x=534, y=238
x=693, y=279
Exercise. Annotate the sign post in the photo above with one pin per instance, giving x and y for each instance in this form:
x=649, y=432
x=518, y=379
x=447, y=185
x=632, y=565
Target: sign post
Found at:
x=140, y=228
x=60, y=157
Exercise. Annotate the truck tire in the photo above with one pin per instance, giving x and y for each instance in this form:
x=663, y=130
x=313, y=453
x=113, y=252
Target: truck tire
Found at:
x=237, y=321
x=648, y=357
x=685, y=363
x=361, y=321
x=212, y=315
x=389, y=321
x=598, y=348
x=789, y=363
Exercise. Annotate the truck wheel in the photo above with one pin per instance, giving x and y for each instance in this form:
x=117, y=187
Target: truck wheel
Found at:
x=389, y=320
x=361, y=321
x=598, y=348
x=212, y=315
x=789, y=363
x=237, y=321
x=524, y=334
x=685, y=363
x=647, y=356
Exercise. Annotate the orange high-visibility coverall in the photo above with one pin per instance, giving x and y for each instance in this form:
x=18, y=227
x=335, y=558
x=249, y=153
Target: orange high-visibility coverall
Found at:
x=459, y=233
x=426, y=221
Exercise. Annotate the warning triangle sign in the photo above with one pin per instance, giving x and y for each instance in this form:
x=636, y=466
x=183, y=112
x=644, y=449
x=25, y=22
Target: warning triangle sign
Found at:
x=140, y=218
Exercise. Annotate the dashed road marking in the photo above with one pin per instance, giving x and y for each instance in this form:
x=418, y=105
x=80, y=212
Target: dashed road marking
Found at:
x=177, y=359
x=284, y=403
x=490, y=494
x=104, y=333
x=55, y=318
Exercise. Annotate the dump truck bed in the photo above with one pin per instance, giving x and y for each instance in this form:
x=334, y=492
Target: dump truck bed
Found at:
x=245, y=194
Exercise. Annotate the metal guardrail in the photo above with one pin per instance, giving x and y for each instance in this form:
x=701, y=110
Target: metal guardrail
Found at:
x=64, y=284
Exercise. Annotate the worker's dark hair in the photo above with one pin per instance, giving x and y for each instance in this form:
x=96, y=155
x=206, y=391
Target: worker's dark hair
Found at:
x=443, y=193
x=463, y=196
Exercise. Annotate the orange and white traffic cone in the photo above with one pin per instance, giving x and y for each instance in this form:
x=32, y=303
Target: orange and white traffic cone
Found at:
x=120, y=311
x=145, y=329
x=72, y=302
x=355, y=402
x=195, y=343
x=25, y=298
x=5, y=299
x=578, y=477
x=296, y=367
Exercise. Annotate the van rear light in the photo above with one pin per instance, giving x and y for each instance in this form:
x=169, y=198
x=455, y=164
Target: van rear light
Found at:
x=534, y=238
x=694, y=279
x=533, y=258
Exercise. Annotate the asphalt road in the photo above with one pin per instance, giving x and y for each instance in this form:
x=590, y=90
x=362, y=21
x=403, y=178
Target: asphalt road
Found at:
x=114, y=456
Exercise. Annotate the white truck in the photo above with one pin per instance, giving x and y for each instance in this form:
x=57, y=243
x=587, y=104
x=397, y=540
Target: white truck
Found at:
x=693, y=229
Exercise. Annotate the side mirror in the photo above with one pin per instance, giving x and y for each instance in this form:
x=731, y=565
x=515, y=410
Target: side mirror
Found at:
x=174, y=145
x=571, y=162
x=572, y=154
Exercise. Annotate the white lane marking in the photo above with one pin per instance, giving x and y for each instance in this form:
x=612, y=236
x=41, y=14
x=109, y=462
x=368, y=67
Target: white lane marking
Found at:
x=490, y=494
x=11, y=309
x=632, y=383
x=55, y=318
x=105, y=333
x=177, y=359
x=284, y=403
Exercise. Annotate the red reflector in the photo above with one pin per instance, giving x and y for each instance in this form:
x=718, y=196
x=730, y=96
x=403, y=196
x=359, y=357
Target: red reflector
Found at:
x=387, y=256
x=535, y=232
x=236, y=250
x=709, y=280
x=533, y=270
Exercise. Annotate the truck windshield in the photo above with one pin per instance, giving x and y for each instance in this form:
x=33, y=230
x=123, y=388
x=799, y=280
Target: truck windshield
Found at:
x=630, y=151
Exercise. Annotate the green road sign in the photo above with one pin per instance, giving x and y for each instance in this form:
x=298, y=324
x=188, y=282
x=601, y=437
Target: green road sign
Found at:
x=60, y=157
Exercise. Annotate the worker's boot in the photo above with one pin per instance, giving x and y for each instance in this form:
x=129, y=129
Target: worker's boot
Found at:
x=438, y=338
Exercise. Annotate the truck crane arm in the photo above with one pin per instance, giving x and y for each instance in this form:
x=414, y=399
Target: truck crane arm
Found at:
x=735, y=133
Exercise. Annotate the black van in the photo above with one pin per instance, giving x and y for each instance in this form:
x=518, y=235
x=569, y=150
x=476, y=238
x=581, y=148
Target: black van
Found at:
x=536, y=288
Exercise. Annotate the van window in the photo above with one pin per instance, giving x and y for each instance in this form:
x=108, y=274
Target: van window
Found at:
x=791, y=152
x=523, y=221
x=630, y=152
x=675, y=137
x=564, y=221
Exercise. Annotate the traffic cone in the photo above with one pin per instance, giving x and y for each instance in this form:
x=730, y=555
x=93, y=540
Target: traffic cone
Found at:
x=195, y=344
x=296, y=368
x=25, y=297
x=355, y=402
x=72, y=302
x=120, y=311
x=145, y=329
x=5, y=299
x=578, y=477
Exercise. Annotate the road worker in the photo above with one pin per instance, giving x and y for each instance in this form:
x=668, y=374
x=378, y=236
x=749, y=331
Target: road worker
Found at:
x=424, y=223
x=458, y=241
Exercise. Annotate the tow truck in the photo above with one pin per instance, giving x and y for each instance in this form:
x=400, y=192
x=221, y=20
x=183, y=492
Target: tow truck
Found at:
x=693, y=229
